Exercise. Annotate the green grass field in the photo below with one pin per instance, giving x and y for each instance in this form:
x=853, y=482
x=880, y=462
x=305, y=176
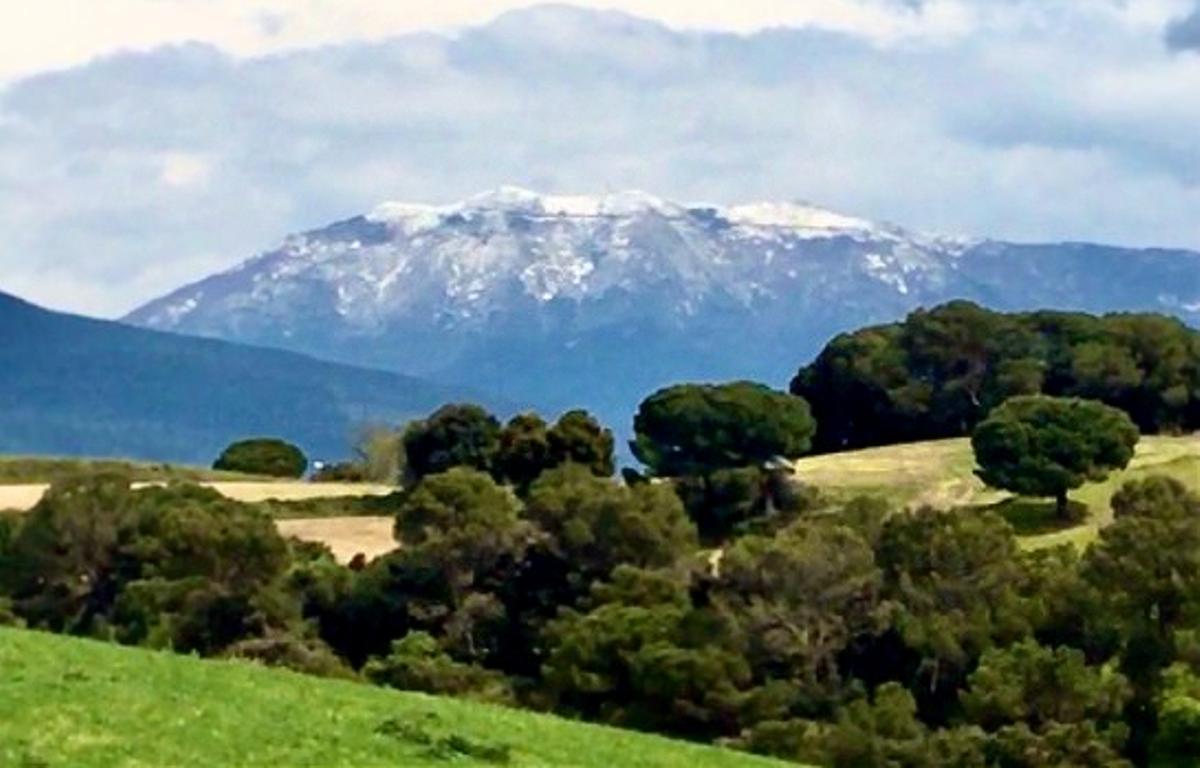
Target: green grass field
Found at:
x=74, y=703
x=35, y=469
x=941, y=474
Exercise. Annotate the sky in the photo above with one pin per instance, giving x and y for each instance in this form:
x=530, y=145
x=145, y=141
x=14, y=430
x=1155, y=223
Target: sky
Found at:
x=147, y=143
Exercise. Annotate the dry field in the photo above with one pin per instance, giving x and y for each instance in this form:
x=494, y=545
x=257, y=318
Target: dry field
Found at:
x=346, y=536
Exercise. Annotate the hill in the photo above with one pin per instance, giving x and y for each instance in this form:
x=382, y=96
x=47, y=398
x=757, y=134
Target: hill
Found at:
x=70, y=702
x=940, y=474
x=74, y=386
x=545, y=297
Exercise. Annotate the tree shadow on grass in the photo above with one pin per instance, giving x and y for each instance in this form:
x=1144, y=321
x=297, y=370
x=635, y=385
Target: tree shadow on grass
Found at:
x=1035, y=517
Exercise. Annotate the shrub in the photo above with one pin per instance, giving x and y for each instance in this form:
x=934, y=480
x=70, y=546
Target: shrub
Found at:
x=263, y=456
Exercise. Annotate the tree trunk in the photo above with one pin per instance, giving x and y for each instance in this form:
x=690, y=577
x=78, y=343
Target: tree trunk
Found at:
x=1062, y=505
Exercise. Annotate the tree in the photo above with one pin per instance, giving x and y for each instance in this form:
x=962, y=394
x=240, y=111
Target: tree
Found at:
x=1146, y=567
x=380, y=453
x=941, y=371
x=697, y=429
x=953, y=581
x=528, y=447
x=523, y=451
x=453, y=436
x=462, y=528
x=263, y=456
x=595, y=524
x=578, y=438
x=1027, y=683
x=62, y=569
x=1046, y=446
x=799, y=598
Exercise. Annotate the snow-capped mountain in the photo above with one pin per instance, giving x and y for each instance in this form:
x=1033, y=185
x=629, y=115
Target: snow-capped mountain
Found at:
x=595, y=301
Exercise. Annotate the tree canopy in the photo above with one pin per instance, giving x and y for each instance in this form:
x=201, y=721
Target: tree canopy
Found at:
x=459, y=435
x=1046, y=446
x=941, y=371
x=697, y=429
x=263, y=456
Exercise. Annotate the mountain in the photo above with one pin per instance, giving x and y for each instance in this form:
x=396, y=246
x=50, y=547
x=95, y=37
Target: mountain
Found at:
x=76, y=386
x=598, y=300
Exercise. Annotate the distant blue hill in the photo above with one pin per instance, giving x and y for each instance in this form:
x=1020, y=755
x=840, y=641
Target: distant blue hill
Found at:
x=75, y=386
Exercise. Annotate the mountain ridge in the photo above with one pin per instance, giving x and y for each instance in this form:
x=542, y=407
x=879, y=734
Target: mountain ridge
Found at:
x=543, y=298
x=77, y=386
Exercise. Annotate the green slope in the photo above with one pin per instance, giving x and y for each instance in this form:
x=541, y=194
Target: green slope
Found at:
x=83, y=704
x=941, y=474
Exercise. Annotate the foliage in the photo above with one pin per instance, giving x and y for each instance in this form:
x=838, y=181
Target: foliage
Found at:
x=1028, y=683
x=798, y=598
x=1044, y=446
x=453, y=436
x=696, y=429
x=941, y=371
x=953, y=580
x=528, y=447
x=578, y=438
x=523, y=452
x=595, y=524
x=263, y=456
x=379, y=451
x=179, y=566
x=418, y=663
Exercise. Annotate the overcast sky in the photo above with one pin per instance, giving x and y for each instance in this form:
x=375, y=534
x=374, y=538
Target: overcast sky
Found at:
x=144, y=143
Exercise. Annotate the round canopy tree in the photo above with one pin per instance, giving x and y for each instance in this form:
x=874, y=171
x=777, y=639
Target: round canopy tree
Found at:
x=1047, y=446
x=461, y=435
x=263, y=456
x=697, y=429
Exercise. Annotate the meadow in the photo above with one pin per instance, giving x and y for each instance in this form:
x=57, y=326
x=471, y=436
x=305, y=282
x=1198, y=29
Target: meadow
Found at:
x=84, y=704
x=940, y=474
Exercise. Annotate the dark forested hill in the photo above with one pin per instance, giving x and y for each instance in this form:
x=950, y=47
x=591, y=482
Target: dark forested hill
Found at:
x=77, y=386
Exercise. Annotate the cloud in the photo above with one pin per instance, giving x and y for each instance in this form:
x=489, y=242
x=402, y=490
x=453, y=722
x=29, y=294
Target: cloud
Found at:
x=184, y=169
x=1184, y=33
x=1055, y=119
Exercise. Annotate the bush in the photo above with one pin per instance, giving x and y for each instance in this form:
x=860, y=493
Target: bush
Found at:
x=263, y=456
x=418, y=663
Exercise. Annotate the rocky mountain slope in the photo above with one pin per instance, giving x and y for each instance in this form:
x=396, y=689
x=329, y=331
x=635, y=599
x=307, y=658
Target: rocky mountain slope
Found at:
x=595, y=301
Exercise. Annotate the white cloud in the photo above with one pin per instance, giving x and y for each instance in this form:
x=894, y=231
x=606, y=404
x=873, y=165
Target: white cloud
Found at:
x=184, y=169
x=58, y=33
x=1025, y=119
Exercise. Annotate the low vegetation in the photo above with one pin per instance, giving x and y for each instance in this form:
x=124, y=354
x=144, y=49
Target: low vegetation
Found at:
x=23, y=470
x=77, y=704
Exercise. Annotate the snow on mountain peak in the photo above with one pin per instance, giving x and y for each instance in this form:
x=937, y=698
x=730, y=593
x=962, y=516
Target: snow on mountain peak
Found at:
x=794, y=216
x=413, y=217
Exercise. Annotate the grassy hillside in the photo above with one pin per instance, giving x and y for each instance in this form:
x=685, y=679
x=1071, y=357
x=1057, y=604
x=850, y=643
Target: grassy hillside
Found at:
x=69, y=702
x=941, y=474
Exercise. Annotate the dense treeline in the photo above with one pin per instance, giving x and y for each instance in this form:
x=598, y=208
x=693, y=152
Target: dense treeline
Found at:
x=939, y=372
x=710, y=596
x=835, y=634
